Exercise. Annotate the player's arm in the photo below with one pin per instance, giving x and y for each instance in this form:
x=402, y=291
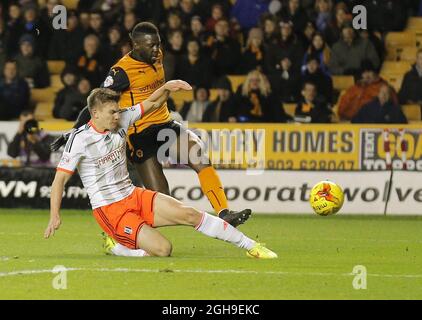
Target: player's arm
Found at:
x=159, y=96
x=56, y=196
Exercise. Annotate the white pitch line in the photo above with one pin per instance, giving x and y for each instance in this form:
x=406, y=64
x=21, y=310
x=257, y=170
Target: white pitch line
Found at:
x=127, y=270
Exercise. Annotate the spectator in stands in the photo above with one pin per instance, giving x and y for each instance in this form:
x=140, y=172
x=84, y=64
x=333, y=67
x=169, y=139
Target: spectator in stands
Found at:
x=295, y=13
x=90, y=62
x=96, y=26
x=253, y=54
x=271, y=31
x=66, y=44
x=381, y=110
x=174, y=22
x=285, y=81
x=74, y=101
x=225, y=51
x=323, y=10
x=307, y=34
x=193, y=111
x=30, y=144
x=217, y=14
x=288, y=46
x=411, y=88
x=3, y=43
x=110, y=9
x=420, y=9
x=129, y=21
x=376, y=39
x=254, y=101
x=247, y=12
x=332, y=33
x=187, y=11
x=311, y=108
x=84, y=20
x=193, y=67
x=14, y=92
x=222, y=109
x=112, y=48
x=320, y=49
x=365, y=90
x=31, y=67
x=197, y=30
x=314, y=74
x=14, y=28
x=174, y=51
x=348, y=53
x=69, y=79
x=386, y=15
x=34, y=26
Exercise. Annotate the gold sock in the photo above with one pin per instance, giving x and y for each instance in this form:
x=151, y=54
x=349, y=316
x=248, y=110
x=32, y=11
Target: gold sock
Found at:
x=211, y=186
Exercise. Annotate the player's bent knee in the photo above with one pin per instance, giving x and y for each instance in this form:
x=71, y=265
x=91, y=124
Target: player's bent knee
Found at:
x=163, y=250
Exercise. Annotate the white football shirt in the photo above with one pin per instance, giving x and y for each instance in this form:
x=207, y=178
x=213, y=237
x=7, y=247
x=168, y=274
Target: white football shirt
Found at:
x=100, y=158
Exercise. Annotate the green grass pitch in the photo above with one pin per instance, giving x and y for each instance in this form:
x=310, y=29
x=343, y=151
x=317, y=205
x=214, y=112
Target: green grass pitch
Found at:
x=316, y=259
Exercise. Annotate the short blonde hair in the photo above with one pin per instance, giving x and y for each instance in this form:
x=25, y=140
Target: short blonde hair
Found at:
x=100, y=96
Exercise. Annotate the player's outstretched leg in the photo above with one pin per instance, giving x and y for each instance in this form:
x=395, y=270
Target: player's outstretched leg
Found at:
x=169, y=212
x=211, y=184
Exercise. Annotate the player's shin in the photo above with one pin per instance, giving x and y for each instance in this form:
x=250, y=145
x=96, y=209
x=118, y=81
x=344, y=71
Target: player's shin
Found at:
x=216, y=227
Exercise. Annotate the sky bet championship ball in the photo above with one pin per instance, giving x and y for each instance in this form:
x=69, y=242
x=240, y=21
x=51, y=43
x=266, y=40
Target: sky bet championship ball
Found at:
x=326, y=198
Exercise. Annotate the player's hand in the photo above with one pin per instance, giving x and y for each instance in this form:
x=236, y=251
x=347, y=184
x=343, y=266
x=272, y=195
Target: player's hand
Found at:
x=60, y=141
x=53, y=225
x=176, y=85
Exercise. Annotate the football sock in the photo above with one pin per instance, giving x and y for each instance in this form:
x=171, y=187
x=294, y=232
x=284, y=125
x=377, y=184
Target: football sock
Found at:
x=216, y=227
x=120, y=250
x=211, y=186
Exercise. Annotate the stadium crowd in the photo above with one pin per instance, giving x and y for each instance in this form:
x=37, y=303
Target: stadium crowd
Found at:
x=287, y=50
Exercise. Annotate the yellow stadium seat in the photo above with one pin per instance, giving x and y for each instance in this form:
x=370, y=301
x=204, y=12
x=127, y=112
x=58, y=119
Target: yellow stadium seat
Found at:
x=43, y=110
x=56, y=81
x=418, y=35
x=400, y=39
x=343, y=82
x=70, y=4
x=55, y=66
x=236, y=81
x=394, y=79
x=180, y=97
x=412, y=112
x=213, y=95
x=408, y=54
x=43, y=95
x=396, y=67
x=414, y=23
x=290, y=108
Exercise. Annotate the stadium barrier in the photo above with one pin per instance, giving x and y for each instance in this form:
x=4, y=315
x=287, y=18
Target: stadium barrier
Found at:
x=289, y=147
x=271, y=191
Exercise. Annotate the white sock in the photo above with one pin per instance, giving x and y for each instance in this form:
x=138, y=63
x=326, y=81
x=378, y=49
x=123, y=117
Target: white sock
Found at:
x=216, y=227
x=120, y=250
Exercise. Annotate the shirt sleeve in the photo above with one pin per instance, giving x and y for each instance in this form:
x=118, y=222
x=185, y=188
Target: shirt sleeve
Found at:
x=130, y=115
x=116, y=80
x=72, y=154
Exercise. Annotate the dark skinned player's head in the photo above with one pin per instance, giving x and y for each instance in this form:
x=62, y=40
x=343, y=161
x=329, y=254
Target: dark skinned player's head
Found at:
x=146, y=42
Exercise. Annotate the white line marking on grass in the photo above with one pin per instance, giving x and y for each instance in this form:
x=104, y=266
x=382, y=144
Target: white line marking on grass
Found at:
x=127, y=270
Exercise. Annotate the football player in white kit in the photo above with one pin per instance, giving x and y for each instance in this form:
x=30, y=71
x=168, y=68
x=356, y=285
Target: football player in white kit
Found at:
x=129, y=214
